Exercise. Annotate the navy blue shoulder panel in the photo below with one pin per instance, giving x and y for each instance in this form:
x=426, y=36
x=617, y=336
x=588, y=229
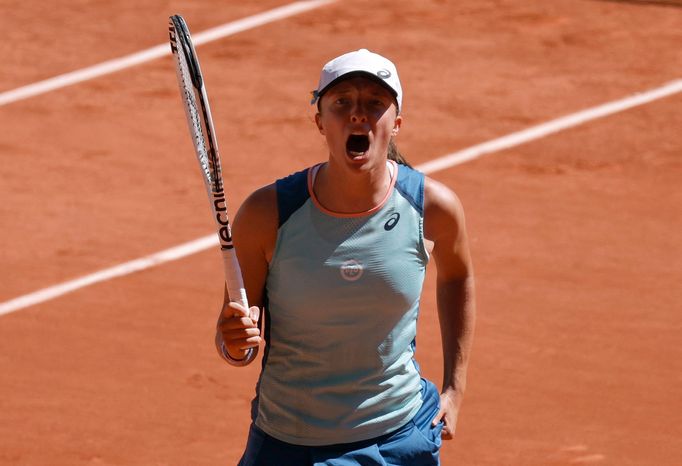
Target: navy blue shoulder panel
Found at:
x=292, y=192
x=410, y=184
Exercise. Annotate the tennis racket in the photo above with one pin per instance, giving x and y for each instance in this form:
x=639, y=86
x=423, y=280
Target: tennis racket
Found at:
x=198, y=113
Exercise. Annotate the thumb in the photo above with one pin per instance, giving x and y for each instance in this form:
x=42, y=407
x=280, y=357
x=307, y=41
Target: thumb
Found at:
x=255, y=314
x=234, y=309
x=439, y=416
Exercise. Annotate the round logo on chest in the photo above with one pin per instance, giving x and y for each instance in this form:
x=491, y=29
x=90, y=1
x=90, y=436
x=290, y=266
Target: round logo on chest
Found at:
x=351, y=270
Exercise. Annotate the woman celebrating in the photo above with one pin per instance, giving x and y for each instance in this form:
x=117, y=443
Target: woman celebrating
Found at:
x=336, y=256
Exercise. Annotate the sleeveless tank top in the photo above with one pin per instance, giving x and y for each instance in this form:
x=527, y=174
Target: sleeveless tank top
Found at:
x=342, y=300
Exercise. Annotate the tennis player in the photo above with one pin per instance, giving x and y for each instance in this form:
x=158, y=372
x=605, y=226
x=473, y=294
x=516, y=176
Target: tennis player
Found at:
x=336, y=255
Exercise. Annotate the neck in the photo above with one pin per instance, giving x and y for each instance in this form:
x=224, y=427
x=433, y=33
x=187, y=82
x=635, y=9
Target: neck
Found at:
x=351, y=191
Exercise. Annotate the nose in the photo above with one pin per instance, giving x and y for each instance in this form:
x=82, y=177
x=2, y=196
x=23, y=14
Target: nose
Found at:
x=358, y=113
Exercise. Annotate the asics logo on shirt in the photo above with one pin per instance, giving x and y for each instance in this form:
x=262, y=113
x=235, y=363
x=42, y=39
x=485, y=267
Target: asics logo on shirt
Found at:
x=392, y=221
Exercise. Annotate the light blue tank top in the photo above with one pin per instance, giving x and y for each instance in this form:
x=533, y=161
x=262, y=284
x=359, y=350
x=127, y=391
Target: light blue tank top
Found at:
x=341, y=316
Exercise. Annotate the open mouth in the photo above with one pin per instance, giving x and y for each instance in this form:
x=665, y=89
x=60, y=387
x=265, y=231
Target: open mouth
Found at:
x=357, y=144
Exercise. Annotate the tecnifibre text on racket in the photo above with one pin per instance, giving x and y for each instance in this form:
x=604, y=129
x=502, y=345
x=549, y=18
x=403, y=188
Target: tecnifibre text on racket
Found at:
x=198, y=113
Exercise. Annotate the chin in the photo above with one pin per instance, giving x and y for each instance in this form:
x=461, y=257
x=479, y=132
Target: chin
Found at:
x=365, y=162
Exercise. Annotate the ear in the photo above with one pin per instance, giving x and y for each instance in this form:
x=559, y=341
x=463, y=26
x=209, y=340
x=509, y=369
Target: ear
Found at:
x=318, y=122
x=396, y=125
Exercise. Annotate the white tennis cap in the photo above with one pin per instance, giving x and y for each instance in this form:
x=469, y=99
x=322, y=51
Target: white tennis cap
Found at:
x=364, y=63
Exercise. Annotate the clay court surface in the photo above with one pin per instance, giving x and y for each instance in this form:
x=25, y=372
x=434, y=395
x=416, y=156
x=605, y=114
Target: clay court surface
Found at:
x=575, y=236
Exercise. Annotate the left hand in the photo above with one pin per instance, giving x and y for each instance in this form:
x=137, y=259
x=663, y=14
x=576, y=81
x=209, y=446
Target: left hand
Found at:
x=449, y=410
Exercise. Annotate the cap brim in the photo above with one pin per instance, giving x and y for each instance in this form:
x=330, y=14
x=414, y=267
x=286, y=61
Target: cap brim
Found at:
x=353, y=74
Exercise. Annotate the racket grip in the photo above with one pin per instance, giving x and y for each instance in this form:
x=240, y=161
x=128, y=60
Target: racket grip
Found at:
x=233, y=278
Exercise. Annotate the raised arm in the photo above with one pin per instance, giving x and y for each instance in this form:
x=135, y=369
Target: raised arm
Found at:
x=254, y=233
x=444, y=226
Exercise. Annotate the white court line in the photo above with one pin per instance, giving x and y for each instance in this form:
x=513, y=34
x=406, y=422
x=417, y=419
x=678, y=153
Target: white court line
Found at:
x=441, y=163
x=552, y=126
x=158, y=51
x=126, y=268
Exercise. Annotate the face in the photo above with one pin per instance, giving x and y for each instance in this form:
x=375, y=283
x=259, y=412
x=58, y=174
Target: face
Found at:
x=358, y=117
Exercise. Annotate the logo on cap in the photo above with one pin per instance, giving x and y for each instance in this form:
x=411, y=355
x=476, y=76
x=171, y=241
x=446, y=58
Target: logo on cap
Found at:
x=384, y=74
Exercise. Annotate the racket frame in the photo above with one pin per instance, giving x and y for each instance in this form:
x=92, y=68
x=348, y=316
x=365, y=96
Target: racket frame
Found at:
x=202, y=131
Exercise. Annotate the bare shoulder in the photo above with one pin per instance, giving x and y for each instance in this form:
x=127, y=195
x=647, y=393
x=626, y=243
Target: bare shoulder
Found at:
x=444, y=226
x=443, y=211
x=260, y=204
x=255, y=225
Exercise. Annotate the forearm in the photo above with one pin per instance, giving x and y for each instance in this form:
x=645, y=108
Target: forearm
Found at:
x=457, y=315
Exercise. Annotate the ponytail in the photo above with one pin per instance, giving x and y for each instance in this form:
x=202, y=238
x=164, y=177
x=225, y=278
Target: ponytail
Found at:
x=395, y=155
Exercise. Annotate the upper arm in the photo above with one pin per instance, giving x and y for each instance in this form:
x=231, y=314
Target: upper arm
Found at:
x=444, y=226
x=254, y=233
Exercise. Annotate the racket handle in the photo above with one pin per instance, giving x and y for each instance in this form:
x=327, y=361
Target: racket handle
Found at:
x=233, y=278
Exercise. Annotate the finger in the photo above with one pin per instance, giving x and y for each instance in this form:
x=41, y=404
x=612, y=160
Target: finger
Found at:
x=447, y=433
x=243, y=343
x=250, y=343
x=234, y=323
x=237, y=334
x=235, y=309
x=438, y=418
